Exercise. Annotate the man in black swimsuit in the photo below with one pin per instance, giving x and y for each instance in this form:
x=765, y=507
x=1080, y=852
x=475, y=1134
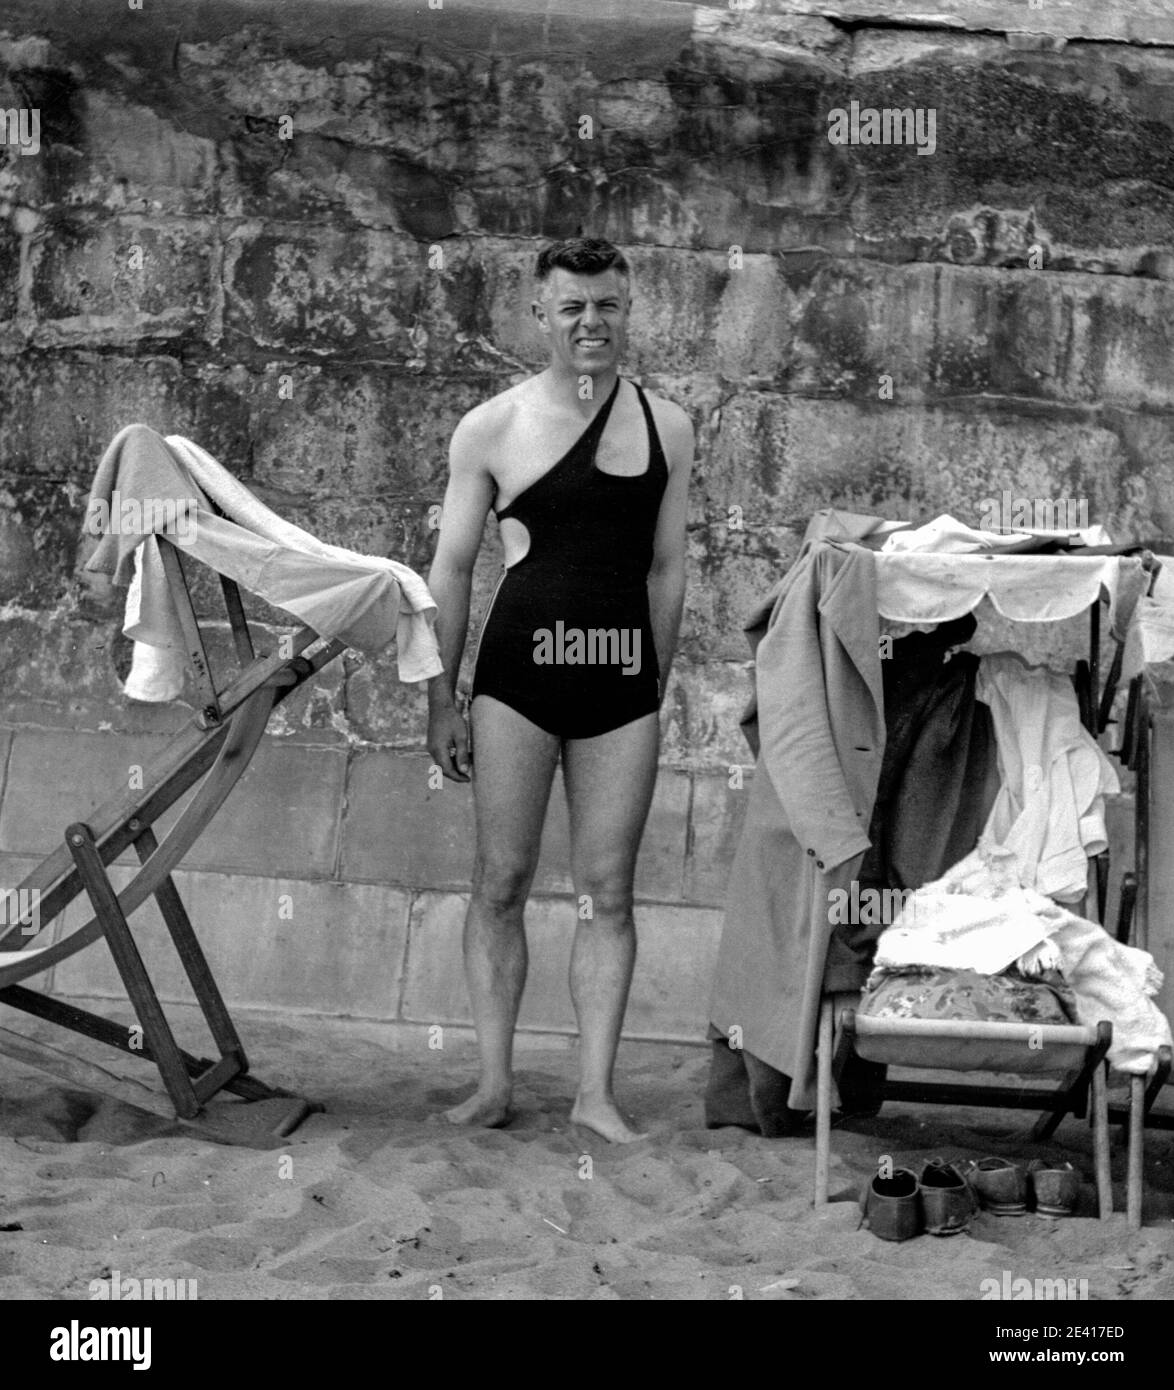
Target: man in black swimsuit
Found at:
x=588, y=477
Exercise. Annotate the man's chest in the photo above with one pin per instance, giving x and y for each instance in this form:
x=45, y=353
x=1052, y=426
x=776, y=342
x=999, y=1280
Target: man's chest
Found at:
x=532, y=446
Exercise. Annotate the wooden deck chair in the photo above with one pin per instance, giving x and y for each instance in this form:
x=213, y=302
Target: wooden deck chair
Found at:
x=1074, y=1056
x=214, y=750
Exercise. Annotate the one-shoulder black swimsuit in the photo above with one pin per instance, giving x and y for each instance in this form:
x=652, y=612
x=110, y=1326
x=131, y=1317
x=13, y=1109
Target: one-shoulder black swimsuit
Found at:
x=567, y=641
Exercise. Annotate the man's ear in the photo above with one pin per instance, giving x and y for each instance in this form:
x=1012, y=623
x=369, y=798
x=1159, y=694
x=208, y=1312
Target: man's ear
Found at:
x=538, y=309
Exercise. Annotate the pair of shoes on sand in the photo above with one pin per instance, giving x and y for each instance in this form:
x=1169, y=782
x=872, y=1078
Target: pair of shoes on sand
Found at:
x=944, y=1200
x=1004, y=1187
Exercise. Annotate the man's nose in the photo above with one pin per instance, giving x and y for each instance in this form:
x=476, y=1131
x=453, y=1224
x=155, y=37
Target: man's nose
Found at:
x=591, y=316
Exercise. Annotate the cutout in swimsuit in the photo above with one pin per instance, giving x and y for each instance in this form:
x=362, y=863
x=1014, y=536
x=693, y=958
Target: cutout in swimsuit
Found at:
x=567, y=640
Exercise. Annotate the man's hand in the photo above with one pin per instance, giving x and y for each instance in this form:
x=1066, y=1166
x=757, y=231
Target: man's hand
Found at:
x=448, y=742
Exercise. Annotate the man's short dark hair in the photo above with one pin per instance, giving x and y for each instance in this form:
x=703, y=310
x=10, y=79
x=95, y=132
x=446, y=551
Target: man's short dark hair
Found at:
x=582, y=255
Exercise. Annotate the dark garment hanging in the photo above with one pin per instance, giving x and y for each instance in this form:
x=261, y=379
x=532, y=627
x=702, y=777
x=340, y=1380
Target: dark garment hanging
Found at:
x=938, y=781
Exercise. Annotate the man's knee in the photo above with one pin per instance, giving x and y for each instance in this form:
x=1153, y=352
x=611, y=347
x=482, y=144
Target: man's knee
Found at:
x=502, y=885
x=606, y=894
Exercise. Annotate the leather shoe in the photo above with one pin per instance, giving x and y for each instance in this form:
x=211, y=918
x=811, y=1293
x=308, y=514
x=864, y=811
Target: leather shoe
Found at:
x=946, y=1199
x=1000, y=1184
x=892, y=1206
x=1056, y=1187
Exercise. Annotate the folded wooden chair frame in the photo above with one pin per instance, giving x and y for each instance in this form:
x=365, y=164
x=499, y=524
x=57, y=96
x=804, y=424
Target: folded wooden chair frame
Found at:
x=217, y=747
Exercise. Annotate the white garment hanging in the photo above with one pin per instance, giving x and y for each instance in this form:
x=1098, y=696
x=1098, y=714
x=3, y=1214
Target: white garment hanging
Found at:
x=1050, y=808
x=364, y=600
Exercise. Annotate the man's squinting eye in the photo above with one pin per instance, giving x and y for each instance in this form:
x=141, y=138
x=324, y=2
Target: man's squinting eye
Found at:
x=603, y=304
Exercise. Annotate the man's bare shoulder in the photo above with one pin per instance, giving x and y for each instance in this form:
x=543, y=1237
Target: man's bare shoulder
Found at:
x=487, y=423
x=672, y=423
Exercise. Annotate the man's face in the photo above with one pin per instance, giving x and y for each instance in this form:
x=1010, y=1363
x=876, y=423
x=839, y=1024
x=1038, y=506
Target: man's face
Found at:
x=585, y=318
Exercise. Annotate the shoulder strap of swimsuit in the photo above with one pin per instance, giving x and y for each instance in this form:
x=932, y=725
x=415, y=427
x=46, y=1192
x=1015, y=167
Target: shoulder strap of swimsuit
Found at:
x=657, y=448
x=591, y=434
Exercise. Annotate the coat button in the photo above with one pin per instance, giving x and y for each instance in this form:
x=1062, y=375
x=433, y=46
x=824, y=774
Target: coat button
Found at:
x=811, y=852
x=819, y=863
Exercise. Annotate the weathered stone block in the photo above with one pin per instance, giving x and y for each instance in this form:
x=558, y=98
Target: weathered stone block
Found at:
x=328, y=948
x=434, y=978
x=142, y=160
x=675, y=962
x=488, y=287
x=55, y=778
x=354, y=431
x=310, y=175
x=380, y=708
x=398, y=829
x=66, y=674
x=40, y=521
x=1015, y=131
x=9, y=271
x=703, y=707
x=282, y=818
x=755, y=303
x=17, y=557
x=780, y=459
x=729, y=574
x=319, y=289
x=117, y=282
x=674, y=320
x=58, y=412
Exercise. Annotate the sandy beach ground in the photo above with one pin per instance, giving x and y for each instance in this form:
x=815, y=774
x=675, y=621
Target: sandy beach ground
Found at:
x=380, y=1198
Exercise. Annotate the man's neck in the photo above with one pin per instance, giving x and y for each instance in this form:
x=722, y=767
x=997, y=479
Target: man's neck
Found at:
x=565, y=387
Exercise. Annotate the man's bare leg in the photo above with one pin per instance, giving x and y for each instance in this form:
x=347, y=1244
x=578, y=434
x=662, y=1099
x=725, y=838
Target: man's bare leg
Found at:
x=609, y=783
x=513, y=767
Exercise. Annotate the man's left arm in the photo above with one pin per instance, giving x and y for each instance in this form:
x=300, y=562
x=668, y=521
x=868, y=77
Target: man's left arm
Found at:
x=666, y=578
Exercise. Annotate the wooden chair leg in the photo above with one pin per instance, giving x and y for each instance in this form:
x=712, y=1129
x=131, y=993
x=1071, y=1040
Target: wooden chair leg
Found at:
x=1136, y=1180
x=1100, y=1143
x=192, y=957
x=143, y=998
x=1154, y=1089
x=823, y=1102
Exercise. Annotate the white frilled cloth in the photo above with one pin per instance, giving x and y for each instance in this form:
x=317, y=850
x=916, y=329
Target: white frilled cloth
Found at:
x=365, y=601
x=928, y=587
x=931, y=574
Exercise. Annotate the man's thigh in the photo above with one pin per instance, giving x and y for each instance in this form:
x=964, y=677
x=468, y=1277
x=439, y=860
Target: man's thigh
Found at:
x=513, y=768
x=609, y=782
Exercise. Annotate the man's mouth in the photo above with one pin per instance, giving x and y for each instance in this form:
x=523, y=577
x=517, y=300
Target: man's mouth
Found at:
x=592, y=342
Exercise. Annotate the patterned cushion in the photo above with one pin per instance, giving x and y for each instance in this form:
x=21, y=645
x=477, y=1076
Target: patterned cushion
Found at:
x=925, y=992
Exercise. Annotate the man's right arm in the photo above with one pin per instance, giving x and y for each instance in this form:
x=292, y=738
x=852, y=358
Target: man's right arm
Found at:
x=467, y=500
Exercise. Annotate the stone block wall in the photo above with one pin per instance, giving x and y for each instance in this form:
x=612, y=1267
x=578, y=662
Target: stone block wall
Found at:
x=302, y=235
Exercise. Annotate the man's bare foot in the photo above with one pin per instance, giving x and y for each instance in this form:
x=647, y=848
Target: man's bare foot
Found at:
x=602, y=1117
x=489, y=1109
